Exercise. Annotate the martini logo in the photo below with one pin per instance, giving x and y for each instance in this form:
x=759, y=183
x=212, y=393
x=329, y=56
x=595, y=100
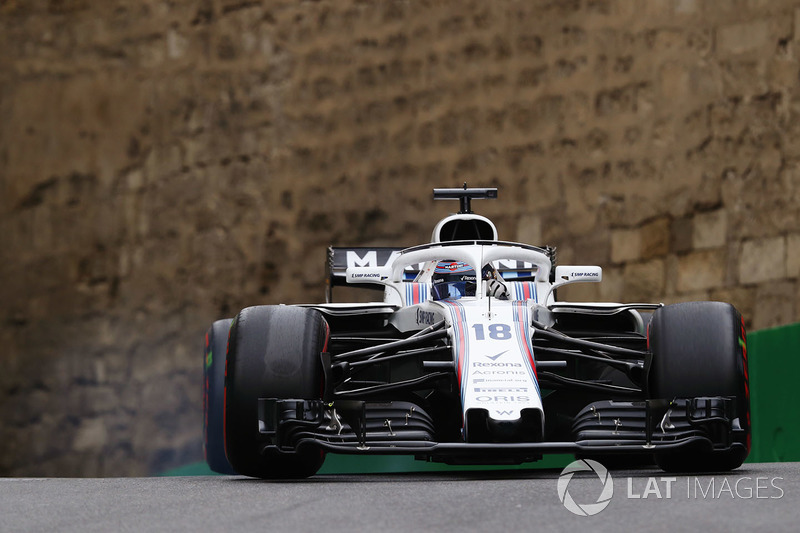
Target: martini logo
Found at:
x=585, y=509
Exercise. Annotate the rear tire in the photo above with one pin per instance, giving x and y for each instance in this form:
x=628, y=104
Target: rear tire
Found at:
x=213, y=396
x=274, y=352
x=698, y=349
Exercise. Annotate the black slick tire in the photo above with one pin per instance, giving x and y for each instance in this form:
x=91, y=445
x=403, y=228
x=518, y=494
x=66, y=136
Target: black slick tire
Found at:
x=274, y=352
x=699, y=349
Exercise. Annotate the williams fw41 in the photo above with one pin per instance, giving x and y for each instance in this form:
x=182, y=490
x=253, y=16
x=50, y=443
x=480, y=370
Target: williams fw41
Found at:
x=470, y=358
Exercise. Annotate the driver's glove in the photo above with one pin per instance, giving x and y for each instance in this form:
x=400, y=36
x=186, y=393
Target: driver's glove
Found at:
x=497, y=289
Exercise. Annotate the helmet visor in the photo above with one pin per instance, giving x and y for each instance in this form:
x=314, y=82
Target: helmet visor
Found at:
x=453, y=290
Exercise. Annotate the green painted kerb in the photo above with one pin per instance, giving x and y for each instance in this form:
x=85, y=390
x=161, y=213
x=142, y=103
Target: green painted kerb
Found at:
x=774, y=365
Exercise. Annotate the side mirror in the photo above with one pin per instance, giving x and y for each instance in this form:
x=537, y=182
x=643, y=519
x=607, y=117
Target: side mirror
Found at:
x=573, y=274
x=367, y=274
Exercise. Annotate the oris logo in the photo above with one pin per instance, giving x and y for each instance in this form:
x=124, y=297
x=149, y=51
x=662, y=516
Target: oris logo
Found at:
x=503, y=399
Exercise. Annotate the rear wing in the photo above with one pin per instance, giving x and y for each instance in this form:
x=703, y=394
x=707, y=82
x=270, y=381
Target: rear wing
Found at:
x=340, y=259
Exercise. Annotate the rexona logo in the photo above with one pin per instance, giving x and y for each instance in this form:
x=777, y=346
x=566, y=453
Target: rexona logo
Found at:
x=585, y=509
x=425, y=317
x=484, y=365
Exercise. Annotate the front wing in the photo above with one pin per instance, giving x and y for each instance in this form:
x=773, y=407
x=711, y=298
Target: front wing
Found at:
x=605, y=427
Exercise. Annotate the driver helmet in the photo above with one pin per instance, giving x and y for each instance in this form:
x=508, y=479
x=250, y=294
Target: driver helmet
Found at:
x=455, y=279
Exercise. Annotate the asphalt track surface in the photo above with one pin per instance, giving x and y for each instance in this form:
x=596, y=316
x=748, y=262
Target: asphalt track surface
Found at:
x=767, y=498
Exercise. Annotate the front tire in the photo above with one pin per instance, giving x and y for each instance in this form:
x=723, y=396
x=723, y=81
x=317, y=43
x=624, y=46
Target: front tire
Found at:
x=699, y=349
x=274, y=352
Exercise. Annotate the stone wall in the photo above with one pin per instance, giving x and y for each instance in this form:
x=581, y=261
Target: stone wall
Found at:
x=165, y=163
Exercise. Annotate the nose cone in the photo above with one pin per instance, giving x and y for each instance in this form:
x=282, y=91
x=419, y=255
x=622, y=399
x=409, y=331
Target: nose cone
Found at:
x=482, y=428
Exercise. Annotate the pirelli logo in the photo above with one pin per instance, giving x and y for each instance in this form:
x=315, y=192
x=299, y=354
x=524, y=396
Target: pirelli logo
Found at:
x=501, y=389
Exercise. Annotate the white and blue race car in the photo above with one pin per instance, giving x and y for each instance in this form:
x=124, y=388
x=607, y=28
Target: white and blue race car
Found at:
x=469, y=358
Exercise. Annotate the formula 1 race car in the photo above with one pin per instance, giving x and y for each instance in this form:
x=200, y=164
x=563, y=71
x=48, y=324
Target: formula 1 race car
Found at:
x=469, y=358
